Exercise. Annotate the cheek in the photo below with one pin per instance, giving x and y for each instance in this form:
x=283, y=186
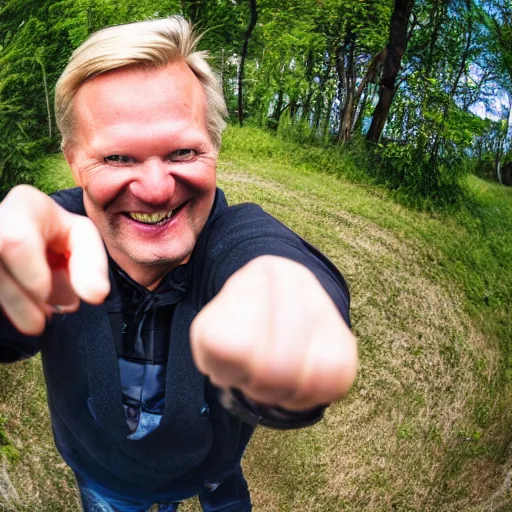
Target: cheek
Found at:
x=103, y=187
x=203, y=181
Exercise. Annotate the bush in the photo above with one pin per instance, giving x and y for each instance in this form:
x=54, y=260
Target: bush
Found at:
x=413, y=172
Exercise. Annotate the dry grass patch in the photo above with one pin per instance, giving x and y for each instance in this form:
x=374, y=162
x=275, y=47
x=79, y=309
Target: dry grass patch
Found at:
x=41, y=481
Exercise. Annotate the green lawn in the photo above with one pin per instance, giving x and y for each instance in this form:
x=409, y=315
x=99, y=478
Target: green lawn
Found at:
x=427, y=426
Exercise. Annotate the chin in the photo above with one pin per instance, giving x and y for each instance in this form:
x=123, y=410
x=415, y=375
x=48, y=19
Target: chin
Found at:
x=145, y=258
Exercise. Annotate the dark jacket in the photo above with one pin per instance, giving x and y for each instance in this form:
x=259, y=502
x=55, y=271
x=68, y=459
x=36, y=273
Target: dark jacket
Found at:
x=197, y=441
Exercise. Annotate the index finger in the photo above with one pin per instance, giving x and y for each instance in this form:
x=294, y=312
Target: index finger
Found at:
x=88, y=263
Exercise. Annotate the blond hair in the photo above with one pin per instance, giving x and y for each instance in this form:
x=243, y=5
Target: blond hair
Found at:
x=149, y=43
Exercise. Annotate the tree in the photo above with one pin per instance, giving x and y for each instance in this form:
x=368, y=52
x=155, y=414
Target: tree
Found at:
x=247, y=36
x=395, y=50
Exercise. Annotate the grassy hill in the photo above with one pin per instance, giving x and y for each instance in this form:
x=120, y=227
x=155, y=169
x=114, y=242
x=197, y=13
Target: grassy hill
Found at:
x=427, y=427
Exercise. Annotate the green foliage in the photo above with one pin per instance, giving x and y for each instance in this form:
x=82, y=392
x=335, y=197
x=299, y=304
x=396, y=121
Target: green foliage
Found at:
x=307, y=60
x=294, y=52
x=32, y=51
x=429, y=165
x=36, y=40
x=431, y=132
x=253, y=144
x=17, y=150
x=497, y=18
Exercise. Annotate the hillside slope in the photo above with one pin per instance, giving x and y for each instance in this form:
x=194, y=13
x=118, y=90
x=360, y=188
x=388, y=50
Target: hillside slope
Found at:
x=426, y=426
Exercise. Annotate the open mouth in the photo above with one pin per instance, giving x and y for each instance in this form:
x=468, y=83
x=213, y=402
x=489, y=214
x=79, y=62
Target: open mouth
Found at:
x=156, y=218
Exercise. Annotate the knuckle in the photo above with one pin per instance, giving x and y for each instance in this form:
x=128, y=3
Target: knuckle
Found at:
x=212, y=347
x=18, y=243
x=220, y=380
x=15, y=238
x=25, y=317
x=24, y=198
x=21, y=191
x=35, y=325
x=329, y=386
x=264, y=377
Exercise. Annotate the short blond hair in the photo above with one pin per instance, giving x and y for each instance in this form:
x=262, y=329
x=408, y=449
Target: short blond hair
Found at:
x=153, y=43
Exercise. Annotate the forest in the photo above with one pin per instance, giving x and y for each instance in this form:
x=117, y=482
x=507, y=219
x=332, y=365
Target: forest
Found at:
x=421, y=89
x=380, y=132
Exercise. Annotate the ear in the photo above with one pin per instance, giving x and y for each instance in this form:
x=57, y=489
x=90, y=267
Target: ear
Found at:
x=69, y=151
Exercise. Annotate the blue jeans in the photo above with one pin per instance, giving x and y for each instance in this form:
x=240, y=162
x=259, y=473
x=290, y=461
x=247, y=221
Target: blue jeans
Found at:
x=230, y=495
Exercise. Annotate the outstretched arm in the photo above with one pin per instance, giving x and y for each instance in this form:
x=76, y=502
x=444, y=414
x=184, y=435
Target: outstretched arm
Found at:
x=274, y=333
x=48, y=257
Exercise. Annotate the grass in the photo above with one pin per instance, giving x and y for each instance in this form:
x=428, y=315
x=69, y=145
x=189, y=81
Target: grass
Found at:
x=427, y=425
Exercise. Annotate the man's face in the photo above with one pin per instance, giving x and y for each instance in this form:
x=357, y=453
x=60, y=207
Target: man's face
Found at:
x=141, y=152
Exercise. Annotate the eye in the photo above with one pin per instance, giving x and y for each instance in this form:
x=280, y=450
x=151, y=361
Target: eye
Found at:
x=119, y=159
x=183, y=155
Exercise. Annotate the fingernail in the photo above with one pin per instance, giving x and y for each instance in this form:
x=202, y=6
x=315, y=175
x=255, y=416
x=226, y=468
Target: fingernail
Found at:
x=60, y=309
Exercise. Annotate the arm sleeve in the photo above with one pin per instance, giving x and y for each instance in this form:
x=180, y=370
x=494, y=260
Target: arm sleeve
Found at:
x=246, y=232
x=15, y=346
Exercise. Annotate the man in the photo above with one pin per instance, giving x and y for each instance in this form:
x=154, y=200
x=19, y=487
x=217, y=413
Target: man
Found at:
x=109, y=279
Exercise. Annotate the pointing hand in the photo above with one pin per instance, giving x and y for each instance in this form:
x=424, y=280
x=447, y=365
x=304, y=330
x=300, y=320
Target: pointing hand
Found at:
x=48, y=257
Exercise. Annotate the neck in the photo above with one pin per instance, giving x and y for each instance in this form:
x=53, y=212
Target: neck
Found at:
x=150, y=282
x=147, y=276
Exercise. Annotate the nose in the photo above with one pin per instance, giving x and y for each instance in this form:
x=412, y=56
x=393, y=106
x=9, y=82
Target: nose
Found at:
x=154, y=183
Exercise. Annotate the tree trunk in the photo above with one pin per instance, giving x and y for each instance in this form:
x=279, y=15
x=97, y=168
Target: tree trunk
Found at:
x=294, y=106
x=348, y=111
x=193, y=9
x=395, y=52
x=498, y=172
x=340, y=69
x=222, y=70
x=353, y=99
x=273, y=122
x=455, y=85
x=358, y=123
x=327, y=120
x=440, y=6
x=465, y=53
x=47, y=97
x=500, y=152
x=252, y=24
x=306, y=104
x=320, y=94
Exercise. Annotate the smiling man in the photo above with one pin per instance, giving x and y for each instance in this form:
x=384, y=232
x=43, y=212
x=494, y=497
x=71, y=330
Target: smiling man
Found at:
x=169, y=323
x=144, y=131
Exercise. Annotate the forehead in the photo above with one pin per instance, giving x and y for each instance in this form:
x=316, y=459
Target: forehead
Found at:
x=140, y=99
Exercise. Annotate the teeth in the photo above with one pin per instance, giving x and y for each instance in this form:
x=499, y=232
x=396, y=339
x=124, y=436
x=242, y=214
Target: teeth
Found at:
x=150, y=218
x=154, y=218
